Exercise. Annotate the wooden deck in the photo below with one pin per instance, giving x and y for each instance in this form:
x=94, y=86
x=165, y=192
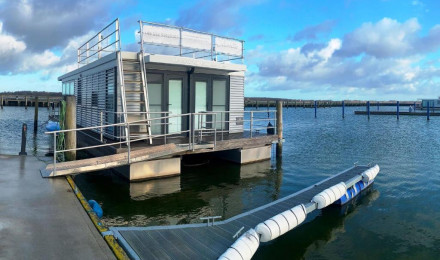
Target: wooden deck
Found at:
x=150, y=153
x=199, y=241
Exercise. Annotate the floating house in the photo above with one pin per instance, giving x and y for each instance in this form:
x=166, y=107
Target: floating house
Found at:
x=177, y=85
x=432, y=103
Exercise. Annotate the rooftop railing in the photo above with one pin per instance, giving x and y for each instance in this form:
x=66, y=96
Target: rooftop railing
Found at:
x=101, y=44
x=180, y=41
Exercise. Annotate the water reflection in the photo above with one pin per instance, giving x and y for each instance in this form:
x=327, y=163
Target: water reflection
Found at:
x=154, y=188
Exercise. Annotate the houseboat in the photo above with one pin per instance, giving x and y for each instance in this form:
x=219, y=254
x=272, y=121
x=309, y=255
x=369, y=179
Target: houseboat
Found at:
x=180, y=85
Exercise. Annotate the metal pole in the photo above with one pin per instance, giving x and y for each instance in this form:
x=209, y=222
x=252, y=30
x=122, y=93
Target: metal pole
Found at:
x=23, y=140
x=35, y=115
x=377, y=105
x=252, y=121
x=180, y=41
x=54, y=153
x=315, y=107
x=368, y=109
x=190, y=132
x=215, y=130
x=127, y=128
x=343, y=109
x=102, y=129
x=397, y=109
x=427, y=112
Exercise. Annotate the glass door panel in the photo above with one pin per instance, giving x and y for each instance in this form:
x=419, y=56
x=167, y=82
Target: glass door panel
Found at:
x=219, y=102
x=201, y=104
x=155, y=100
x=175, y=105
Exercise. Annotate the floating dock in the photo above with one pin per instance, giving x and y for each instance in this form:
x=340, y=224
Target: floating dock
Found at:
x=210, y=241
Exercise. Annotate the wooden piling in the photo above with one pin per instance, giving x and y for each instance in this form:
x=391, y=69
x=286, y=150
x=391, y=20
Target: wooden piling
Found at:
x=48, y=99
x=1, y=102
x=25, y=102
x=279, y=151
x=70, y=123
x=35, y=114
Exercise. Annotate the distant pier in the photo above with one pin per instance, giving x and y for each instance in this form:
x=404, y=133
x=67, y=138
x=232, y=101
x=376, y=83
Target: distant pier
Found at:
x=29, y=100
x=298, y=103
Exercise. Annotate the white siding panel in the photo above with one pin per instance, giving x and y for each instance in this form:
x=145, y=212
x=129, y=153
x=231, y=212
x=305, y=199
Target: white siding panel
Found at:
x=236, y=104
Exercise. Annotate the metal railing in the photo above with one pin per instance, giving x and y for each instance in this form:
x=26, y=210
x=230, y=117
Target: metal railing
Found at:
x=210, y=123
x=100, y=44
x=189, y=43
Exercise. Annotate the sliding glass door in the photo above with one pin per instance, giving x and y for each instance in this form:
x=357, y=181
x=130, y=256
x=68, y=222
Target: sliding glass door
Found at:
x=175, y=90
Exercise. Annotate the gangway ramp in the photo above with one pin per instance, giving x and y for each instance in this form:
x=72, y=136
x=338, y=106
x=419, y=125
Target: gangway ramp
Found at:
x=141, y=154
x=111, y=161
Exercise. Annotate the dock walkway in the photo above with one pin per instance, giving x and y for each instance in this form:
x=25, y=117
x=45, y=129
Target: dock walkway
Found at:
x=42, y=218
x=200, y=241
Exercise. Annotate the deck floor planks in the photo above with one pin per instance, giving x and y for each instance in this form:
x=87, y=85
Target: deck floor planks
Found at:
x=203, y=241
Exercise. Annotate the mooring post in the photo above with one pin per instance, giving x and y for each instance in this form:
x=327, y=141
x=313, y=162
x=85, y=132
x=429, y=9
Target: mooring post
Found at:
x=35, y=115
x=343, y=109
x=1, y=104
x=377, y=105
x=279, y=151
x=414, y=106
x=70, y=123
x=315, y=107
x=25, y=102
x=23, y=140
x=368, y=109
x=398, y=104
x=48, y=99
x=427, y=112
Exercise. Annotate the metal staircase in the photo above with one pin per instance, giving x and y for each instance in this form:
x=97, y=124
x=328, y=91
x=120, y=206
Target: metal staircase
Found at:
x=134, y=96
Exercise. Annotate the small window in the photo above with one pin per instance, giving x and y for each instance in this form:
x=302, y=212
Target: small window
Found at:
x=94, y=99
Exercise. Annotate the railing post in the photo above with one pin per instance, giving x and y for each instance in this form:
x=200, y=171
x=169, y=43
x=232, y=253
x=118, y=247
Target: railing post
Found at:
x=279, y=150
x=127, y=128
x=192, y=130
x=252, y=122
x=215, y=130
x=180, y=41
x=102, y=129
x=99, y=45
x=54, y=153
x=87, y=53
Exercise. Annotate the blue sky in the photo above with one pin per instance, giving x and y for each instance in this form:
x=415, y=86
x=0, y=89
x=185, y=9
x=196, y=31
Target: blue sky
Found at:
x=358, y=49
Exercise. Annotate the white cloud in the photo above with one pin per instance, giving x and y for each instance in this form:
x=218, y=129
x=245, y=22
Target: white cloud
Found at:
x=381, y=59
x=9, y=44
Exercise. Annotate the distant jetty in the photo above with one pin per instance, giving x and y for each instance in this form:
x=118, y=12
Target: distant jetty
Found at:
x=271, y=102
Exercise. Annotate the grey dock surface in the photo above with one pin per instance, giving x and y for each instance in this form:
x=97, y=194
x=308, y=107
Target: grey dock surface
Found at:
x=200, y=241
x=42, y=218
x=394, y=113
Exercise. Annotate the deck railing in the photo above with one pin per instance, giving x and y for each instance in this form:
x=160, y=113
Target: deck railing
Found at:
x=102, y=43
x=212, y=124
x=180, y=41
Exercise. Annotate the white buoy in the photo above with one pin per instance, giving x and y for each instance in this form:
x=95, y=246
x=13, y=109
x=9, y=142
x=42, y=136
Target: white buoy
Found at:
x=243, y=248
x=329, y=195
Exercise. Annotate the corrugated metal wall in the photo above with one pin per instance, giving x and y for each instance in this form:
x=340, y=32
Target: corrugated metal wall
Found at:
x=95, y=93
x=236, y=104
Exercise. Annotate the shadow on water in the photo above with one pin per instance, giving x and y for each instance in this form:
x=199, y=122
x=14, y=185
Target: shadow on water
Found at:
x=320, y=229
x=217, y=188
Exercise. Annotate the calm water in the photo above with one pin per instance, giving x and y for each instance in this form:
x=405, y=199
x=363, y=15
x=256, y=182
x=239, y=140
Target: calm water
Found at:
x=399, y=218
x=11, y=121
